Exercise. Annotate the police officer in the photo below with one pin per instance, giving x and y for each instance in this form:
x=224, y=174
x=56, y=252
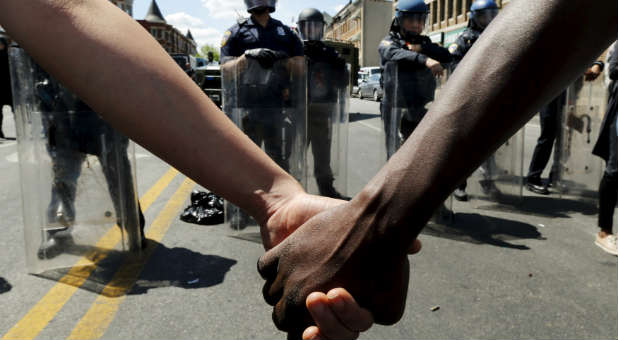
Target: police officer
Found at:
x=550, y=121
x=418, y=61
x=482, y=13
x=328, y=77
x=73, y=131
x=267, y=41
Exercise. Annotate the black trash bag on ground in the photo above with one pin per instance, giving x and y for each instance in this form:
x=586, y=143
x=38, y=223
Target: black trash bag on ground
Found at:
x=205, y=209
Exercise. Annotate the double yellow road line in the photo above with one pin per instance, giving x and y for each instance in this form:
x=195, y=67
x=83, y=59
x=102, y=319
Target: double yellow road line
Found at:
x=103, y=310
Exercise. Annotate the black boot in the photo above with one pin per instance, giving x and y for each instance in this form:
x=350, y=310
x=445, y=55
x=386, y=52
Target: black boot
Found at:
x=537, y=186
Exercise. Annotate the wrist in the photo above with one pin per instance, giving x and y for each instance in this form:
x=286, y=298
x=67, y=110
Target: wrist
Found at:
x=268, y=201
x=395, y=218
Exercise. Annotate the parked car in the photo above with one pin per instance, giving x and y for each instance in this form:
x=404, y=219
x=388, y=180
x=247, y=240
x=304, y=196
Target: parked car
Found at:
x=371, y=88
x=209, y=80
x=366, y=72
x=363, y=77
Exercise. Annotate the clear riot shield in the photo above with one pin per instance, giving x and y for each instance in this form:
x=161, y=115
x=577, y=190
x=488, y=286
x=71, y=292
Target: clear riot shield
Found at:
x=270, y=106
x=327, y=128
x=408, y=93
x=77, y=176
x=500, y=178
x=580, y=172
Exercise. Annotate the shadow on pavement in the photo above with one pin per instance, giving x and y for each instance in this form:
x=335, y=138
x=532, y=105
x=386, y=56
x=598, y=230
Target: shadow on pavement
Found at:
x=479, y=229
x=354, y=117
x=5, y=287
x=548, y=206
x=119, y=274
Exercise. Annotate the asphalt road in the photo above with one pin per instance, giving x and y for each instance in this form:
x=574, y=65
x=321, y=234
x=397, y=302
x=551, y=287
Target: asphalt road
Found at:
x=529, y=271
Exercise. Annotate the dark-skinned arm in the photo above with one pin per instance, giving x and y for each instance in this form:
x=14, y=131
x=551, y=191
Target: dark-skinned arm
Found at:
x=516, y=66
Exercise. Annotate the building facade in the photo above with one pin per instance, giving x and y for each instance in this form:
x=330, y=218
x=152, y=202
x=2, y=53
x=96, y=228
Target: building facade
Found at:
x=363, y=23
x=172, y=40
x=125, y=5
x=448, y=18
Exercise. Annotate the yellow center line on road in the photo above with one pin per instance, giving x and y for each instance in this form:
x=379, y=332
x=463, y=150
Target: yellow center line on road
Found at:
x=102, y=312
x=46, y=309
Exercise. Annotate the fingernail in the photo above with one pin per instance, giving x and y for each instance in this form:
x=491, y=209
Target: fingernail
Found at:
x=336, y=300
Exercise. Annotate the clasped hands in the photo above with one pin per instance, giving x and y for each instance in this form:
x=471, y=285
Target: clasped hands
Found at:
x=318, y=245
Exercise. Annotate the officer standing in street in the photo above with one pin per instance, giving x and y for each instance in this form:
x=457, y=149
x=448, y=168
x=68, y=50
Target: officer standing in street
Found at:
x=328, y=78
x=418, y=61
x=550, y=121
x=482, y=14
x=267, y=41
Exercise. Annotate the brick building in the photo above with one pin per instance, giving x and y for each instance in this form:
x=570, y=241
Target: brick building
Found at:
x=172, y=40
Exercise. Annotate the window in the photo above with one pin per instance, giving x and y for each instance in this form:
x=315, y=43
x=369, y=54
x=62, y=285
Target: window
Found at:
x=450, y=9
x=434, y=13
x=442, y=5
x=458, y=7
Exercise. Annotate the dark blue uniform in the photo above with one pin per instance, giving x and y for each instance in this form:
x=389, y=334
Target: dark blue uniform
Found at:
x=414, y=86
x=263, y=94
x=328, y=77
x=73, y=131
x=463, y=44
x=458, y=50
x=247, y=35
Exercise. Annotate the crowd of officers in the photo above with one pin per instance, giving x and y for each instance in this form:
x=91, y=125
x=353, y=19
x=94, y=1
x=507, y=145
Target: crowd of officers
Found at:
x=410, y=62
x=267, y=95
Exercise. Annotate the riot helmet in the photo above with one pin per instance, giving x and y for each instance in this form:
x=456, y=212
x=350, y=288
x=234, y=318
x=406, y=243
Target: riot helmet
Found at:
x=411, y=17
x=257, y=5
x=483, y=12
x=311, y=24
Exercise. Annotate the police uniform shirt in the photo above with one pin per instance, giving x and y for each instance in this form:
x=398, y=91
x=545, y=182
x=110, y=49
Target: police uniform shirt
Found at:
x=463, y=44
x=247, y=35
x=415, y=82
x=395, y=48
x=327, y=72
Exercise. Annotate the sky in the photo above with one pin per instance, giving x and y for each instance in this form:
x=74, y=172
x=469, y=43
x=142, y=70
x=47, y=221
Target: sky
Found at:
x=209, y=19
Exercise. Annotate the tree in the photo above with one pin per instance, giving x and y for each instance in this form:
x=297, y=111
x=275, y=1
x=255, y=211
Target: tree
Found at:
x=209, y=48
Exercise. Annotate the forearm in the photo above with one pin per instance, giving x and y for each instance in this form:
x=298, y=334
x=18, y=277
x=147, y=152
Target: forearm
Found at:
x=436, y=52
x=114, y=65
x=517, y=65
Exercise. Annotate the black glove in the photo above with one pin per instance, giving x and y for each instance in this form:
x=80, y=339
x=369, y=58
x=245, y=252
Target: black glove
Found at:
x=266, y=57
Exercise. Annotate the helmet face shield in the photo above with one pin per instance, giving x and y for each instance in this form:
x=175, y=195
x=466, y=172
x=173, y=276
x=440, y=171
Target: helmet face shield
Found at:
x=311, y=30
x=255, y=4
x=412, y=23
x=484, y=17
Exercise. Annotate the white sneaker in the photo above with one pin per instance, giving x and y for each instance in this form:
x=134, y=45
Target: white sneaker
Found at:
x=608, y=244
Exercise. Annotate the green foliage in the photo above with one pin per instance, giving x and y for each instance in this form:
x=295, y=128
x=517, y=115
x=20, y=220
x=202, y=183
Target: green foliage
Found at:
x=203, y=53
